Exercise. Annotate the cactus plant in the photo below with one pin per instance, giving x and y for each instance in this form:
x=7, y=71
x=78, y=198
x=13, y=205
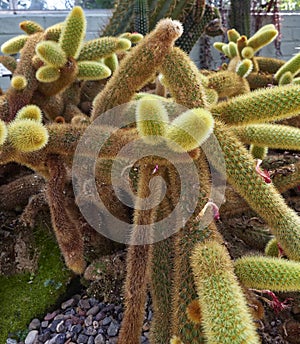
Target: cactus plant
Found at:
x=48, y=147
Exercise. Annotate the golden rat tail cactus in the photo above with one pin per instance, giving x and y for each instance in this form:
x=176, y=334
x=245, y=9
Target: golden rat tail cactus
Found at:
x=189, y=130
x=151, y=119
x=3, y=132
x=138, y=66
x=26, y=133
x=225, y=314
x=268, y=273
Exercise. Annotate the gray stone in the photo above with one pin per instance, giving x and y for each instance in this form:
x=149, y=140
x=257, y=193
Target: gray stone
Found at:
x=113, y=328
x=45, y=324
x=45, y=336
x=53, y=325
x=93, y=311
x=31, y=337
x=93, y=301
x=34, y=324
x=50, y=316
x=91, y=340
x=90, y=331
x=106, y=321
x=60, y=338
x=59, y=317
x=11, y=341
x=113, y=340
x=82, y=339
x=60, y=327
x=76, y=328
x=100, y=339
x=88, y=320
x=144, y=339
x=100, y=316
x=84, y=303
x=68, y=303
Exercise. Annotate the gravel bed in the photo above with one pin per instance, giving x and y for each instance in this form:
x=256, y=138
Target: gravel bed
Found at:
x=81, y=320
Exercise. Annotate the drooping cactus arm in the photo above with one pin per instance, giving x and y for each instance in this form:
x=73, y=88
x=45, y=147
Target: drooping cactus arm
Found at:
x=139, y=256
x=183, y=290
x=268, y=273
x=262, y=197
x=162, y=265
x=68, y=234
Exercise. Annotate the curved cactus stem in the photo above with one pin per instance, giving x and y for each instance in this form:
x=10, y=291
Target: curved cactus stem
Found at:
x=139, y=258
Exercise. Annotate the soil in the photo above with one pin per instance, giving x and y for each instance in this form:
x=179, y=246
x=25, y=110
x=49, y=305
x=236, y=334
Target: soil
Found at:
x=17, y=255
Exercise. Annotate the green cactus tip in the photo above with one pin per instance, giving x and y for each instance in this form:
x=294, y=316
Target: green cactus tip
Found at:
x=32, y=112
x=18, y=82
x=27, y=135
x=189, y=130
x=151, y=119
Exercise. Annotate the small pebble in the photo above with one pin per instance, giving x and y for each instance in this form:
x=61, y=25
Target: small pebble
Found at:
x=82, y=339
x=100, y=316
x=60, y=338
x=84, y=303
x=53, y=325
x=93, y=311
x=44, y=324
x=90, y=331
x=106, y=321
x=45, y=336
x=95, y=324
x=69, y=303
x=31, y=337
x=50, y=316
x=60, y=327
x=100, y=339
x=34, y=324
x=113, y=328
x=76, y=328
x=11, y=341
x=93, y=301
x=88, y=320
x=59, y=317
x=91, y=340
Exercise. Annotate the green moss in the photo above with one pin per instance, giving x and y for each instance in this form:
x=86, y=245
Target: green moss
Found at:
x=26, y=296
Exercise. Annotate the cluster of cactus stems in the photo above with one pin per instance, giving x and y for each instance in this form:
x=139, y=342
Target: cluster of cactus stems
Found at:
x=197, y=290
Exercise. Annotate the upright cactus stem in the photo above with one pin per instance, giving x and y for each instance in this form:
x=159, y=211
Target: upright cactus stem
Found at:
x=138, y=66
x=141, y=13
x=73, y=32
